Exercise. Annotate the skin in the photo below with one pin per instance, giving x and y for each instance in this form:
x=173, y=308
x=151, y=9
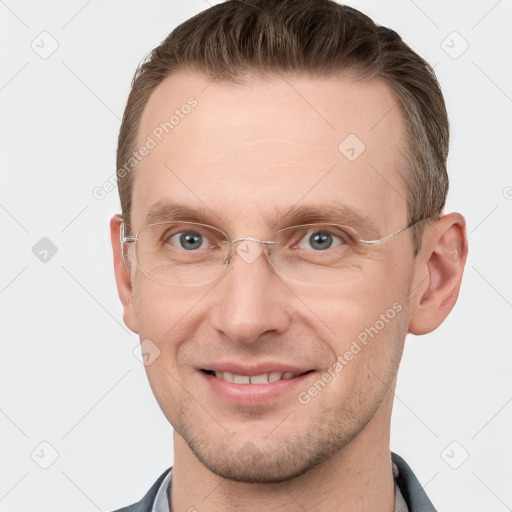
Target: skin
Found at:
x=245, y=152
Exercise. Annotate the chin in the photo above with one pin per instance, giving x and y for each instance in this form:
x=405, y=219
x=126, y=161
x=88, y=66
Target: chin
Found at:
x=267, y=462
x=250, y=465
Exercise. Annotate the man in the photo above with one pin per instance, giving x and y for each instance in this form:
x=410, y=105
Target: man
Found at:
x=282, y=174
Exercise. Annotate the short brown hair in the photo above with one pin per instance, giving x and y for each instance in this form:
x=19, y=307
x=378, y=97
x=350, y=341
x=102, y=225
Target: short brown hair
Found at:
x=317, y=37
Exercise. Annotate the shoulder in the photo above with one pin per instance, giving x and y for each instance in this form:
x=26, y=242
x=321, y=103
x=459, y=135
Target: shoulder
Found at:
x=146, y=503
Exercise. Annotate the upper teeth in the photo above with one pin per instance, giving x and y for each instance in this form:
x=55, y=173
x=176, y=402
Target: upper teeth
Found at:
x=264, y=378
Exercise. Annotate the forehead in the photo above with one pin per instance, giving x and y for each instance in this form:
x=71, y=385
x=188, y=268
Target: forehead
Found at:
x=240, y=150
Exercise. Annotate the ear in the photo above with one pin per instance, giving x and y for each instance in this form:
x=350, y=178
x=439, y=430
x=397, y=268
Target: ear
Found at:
x=438, y=273
x=122, y=273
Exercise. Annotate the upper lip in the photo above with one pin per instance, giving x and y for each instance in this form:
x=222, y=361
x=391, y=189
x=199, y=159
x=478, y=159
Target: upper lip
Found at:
x=254, y=369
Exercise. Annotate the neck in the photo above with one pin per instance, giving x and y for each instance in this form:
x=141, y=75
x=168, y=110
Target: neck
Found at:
x=358, y=477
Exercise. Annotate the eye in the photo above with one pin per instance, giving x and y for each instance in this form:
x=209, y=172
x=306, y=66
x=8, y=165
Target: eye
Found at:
x=320, y=240
x=189, y=240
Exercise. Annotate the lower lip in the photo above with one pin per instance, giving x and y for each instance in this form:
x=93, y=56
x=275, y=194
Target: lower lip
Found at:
x=252, y=394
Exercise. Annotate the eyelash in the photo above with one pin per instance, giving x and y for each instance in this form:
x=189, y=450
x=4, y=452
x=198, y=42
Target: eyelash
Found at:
x=301, y=236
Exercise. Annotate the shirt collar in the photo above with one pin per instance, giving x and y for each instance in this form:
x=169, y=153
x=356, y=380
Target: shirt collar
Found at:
x=163, y=496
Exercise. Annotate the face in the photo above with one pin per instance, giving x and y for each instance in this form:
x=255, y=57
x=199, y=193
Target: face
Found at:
x=243, y=156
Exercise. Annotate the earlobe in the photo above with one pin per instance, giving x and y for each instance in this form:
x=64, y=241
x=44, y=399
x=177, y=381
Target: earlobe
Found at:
x=438, y=273
x=122, y=274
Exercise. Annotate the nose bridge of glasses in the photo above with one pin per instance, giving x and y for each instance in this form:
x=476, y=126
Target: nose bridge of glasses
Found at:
x=252, y=239
x=247, y=247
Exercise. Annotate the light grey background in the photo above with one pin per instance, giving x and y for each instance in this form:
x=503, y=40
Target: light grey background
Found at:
x=69, y=377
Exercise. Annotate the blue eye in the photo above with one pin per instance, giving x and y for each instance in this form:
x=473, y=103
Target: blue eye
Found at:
x=189, y=240
x=319, y=240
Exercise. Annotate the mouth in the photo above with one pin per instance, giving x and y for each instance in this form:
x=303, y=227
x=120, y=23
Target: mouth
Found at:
x=262, y=378
x=251, y=386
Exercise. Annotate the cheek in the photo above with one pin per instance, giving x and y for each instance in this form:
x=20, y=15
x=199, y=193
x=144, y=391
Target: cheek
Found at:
x=168, y=317
x=367, y=347
x=160, y=308
x=369, y=296
x=367, y=319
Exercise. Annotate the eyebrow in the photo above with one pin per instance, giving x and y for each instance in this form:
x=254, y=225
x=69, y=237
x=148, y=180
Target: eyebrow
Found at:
x=335, y=214
x=168, y=212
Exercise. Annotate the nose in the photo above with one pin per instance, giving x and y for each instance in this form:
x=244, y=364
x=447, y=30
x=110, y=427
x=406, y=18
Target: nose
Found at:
x=252, y=299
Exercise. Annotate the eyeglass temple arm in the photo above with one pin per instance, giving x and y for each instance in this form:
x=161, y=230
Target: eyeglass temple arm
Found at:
x=397, y=232
x=126, y=239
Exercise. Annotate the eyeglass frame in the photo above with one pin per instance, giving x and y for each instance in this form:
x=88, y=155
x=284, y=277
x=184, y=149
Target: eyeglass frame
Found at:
x=227, y=260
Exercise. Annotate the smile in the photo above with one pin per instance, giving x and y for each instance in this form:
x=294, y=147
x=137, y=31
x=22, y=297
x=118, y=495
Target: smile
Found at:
x=263, y=378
